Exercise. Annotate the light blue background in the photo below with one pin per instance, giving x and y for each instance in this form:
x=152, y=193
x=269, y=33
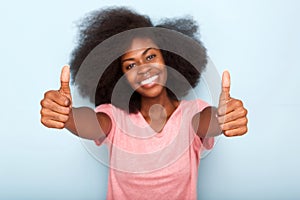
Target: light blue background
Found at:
x=258, y=41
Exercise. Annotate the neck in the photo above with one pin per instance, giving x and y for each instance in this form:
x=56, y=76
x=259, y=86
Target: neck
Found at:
x=158, y=106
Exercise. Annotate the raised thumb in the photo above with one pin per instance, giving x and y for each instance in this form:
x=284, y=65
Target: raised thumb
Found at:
x=65, y=81
x=225, y=93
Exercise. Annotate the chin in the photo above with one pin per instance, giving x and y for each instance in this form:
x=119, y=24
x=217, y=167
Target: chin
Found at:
x=151, y=92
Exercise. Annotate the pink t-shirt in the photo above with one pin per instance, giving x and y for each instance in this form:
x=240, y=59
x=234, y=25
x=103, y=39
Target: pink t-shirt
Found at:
x=149, y=165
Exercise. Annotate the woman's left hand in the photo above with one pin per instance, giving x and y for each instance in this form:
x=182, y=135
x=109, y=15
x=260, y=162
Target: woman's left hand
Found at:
x=231, y=112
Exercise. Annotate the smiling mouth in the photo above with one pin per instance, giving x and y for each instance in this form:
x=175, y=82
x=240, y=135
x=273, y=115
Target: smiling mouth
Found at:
x=149, y=80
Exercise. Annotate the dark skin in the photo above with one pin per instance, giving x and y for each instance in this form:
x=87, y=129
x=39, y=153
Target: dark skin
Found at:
x=145, y=71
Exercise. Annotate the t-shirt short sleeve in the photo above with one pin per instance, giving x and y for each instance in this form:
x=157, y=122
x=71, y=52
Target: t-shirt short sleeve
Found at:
x=206, y=143
x=107, y=109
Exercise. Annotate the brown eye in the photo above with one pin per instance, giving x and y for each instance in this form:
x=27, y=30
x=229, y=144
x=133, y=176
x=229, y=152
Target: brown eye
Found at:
x=128, y=67
x=148, y=58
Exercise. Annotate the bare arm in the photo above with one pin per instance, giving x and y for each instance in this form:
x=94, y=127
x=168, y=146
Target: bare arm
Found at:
x=85, y=123
x=206, y=124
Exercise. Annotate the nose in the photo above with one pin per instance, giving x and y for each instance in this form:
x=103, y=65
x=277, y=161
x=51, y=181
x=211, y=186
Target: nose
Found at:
x=144, y=69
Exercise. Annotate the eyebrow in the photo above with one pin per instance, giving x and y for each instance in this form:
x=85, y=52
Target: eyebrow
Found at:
x=129, y=59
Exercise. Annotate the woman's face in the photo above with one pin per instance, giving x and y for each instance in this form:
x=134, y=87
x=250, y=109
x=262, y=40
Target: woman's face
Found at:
x=144, y=67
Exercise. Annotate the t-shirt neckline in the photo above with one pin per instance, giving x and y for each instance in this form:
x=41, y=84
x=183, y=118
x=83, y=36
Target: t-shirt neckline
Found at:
x=163, y=130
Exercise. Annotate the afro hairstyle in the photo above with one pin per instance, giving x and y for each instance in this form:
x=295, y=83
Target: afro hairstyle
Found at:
x=103, y=24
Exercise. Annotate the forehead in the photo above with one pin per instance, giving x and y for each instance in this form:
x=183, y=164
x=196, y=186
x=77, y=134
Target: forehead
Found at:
x=140, y=44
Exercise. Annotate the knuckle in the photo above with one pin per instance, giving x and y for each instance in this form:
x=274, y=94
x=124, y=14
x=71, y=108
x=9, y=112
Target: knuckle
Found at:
x=238, y=103
x=245, y=129
x=43, y=103
x=64, y=118
x=42, y=112
x=67, y=118
x=48, y=93
x=68, y=110
x=244, y=112
x=44, y=122
x=244, y=121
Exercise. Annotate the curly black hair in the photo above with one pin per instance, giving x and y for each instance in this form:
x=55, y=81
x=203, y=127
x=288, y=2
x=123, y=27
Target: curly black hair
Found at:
x=103, y=24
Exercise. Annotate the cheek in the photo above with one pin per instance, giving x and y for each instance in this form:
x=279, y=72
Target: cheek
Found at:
x=130, y=76
x=165, y=74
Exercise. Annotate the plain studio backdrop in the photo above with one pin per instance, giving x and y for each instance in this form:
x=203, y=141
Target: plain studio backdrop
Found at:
x=257, y=41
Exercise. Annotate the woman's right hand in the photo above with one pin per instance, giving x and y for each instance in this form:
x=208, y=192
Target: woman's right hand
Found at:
x=57, y=104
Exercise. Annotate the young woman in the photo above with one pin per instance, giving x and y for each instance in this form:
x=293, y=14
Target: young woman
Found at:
x=154, y=137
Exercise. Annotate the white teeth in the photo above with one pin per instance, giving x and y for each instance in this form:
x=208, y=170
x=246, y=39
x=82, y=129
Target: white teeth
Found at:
x=149, y=80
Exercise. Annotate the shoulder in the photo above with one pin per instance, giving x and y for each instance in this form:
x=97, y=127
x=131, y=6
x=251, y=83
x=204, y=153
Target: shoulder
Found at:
x=196, y=105
x=104, y=107
x=108, y=109
x=114, y=113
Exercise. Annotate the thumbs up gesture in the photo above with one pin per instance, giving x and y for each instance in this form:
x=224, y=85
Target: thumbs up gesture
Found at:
x=231, y=112
x=57, y=104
